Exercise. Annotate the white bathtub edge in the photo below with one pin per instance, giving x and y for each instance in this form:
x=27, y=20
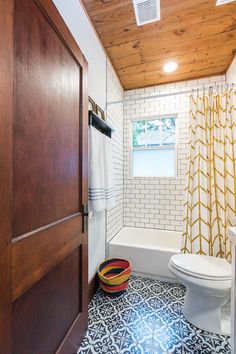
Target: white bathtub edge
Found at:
x=142, y=246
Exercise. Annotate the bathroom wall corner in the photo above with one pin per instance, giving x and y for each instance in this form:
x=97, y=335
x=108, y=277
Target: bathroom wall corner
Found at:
x=115, y=92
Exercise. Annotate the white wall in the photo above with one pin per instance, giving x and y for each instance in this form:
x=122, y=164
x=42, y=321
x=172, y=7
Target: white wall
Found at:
x=75, y=18
x=158, y=202
x=231, y=72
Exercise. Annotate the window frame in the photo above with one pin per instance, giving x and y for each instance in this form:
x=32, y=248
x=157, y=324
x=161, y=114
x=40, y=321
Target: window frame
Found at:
x=164, y=147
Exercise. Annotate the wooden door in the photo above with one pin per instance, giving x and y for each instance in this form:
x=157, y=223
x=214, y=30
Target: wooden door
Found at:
x=43, y=182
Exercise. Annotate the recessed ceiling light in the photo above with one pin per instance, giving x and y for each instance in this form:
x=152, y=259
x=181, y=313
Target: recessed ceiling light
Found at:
x=170, y=67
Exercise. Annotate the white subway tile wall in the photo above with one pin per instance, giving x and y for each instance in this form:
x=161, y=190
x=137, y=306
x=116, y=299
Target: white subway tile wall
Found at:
x=231, y=72
x=155, y=202
x=115, y=92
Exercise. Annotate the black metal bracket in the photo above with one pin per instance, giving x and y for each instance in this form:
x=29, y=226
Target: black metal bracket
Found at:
x=100, y=124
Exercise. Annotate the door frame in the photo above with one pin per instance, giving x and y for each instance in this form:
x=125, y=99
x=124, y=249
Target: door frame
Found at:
x=75, y=334
x=6, y=122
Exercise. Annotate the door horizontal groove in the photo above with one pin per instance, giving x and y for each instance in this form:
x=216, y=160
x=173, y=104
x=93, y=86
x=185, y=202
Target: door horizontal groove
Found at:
x=43, y=228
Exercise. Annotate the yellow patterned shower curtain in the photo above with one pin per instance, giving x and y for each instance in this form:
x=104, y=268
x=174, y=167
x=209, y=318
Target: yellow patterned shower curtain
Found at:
x=211, y=191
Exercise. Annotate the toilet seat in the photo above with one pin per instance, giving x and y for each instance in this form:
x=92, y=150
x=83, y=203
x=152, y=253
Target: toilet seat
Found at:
x=202, y=267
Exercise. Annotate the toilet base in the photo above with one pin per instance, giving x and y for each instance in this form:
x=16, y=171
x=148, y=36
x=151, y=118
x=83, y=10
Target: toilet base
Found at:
x=204, y=311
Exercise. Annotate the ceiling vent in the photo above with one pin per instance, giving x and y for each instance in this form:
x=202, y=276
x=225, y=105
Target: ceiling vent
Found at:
x=146, y=11
x=222, y=2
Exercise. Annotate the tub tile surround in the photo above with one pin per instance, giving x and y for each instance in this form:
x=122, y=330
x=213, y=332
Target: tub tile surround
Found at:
x=158, y=202
x=231, y=72
x=147, y=319
x=115, y=119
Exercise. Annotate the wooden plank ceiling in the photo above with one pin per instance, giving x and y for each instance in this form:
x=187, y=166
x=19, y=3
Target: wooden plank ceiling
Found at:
x=198, y=35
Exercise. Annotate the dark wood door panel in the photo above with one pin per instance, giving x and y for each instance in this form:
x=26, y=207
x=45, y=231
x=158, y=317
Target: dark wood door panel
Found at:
x=48, y=309
x=47, y=248
x=46, y=149
x=44, y=170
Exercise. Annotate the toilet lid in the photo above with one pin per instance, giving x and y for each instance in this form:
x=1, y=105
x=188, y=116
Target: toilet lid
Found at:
x=202, y=266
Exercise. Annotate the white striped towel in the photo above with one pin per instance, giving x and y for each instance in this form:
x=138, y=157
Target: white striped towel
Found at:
x=109, y=176
x=101, y=182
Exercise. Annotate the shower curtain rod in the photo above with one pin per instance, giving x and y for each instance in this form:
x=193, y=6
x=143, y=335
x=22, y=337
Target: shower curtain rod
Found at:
x=170, y=94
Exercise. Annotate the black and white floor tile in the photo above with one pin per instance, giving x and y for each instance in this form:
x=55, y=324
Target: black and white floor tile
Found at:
x=147, y=319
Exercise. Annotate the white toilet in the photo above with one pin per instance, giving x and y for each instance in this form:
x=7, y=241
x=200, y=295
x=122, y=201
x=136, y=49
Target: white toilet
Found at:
x=208, y=283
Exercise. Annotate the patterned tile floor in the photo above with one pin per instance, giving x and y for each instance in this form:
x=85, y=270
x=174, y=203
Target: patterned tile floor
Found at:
x=147, y=319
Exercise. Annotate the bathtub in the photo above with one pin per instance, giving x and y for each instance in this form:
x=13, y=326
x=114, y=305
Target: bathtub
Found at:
x=148, y=250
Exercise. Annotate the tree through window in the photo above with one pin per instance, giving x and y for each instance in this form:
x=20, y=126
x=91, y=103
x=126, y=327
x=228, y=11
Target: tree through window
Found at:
x=154, y=147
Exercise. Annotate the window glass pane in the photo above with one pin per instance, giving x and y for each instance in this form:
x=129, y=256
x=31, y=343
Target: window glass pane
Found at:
x=154, y=163
x=139, y=128
x=155, y=132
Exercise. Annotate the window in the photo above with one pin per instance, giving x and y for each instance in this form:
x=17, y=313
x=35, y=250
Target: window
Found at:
x=154, y=147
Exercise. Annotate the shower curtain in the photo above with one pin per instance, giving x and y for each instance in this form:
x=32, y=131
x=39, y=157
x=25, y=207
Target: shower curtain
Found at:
x=211, y=188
